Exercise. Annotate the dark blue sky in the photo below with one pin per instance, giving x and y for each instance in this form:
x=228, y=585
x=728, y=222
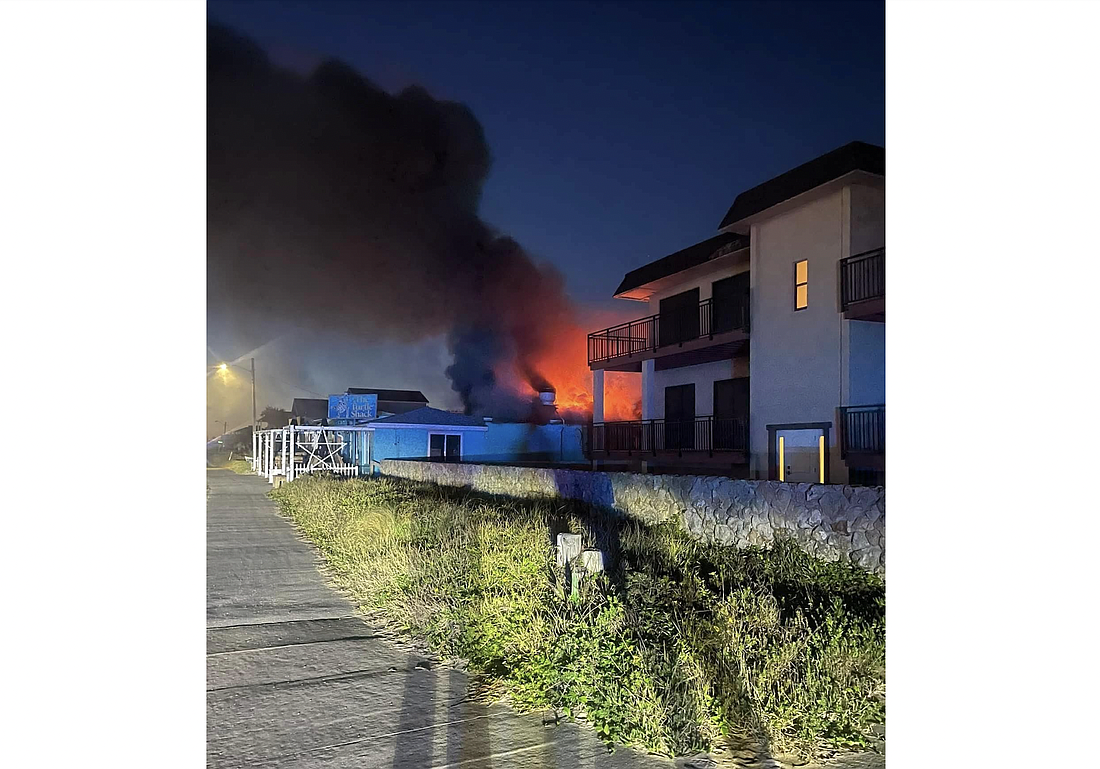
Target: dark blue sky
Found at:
x=620, y=131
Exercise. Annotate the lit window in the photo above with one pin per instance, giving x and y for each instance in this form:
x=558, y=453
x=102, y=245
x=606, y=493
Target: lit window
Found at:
x=801, y=284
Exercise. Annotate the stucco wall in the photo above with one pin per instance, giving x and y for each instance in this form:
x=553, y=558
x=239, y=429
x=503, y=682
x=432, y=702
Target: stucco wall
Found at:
x=831, y=522
x=796, y=360
x=868, y=229
x=703, y=376
x=866, y=363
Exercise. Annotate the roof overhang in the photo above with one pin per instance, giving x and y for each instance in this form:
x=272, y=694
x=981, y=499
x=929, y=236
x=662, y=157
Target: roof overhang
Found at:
x=439, y=428
x=720, y=261
x=743, y=226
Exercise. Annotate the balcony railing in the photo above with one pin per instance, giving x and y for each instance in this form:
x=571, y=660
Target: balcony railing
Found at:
x=862, y=277
x=862, y=430
x=650, y=436
x=668, y=328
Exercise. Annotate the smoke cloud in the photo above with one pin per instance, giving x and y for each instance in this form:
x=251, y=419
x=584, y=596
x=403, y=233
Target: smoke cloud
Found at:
x=335, y=205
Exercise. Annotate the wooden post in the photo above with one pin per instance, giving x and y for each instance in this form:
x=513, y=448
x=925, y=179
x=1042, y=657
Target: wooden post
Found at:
x=782, y=466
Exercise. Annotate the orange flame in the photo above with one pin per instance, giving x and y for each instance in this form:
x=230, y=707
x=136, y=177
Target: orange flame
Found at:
x=565, y=366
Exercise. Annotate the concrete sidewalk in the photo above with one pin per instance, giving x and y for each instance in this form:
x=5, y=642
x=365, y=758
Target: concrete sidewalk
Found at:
x=294, y=679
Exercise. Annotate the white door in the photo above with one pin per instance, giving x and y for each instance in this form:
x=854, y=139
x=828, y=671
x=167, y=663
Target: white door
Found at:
x=801, y=455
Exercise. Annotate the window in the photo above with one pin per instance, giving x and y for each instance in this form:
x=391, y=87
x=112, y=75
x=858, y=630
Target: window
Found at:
x=446, y=447
x=801, y=284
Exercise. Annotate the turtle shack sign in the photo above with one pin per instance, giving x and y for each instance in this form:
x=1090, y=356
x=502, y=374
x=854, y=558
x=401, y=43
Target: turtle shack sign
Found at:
x=353, y=406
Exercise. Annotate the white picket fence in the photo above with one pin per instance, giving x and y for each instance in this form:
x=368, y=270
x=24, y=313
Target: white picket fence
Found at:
x=276, y=452
x=346, y=470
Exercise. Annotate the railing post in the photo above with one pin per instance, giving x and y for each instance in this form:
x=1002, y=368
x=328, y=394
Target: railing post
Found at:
x=290, y=469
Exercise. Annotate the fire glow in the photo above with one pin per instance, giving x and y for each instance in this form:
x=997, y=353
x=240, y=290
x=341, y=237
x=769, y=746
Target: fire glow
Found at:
x=565, y=366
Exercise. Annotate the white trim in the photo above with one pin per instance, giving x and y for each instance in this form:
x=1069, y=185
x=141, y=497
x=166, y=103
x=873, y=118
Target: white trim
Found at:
x=428, y=454
x=384, y=425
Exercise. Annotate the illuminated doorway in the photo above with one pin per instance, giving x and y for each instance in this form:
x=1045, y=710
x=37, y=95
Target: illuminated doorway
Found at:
x=799, y=452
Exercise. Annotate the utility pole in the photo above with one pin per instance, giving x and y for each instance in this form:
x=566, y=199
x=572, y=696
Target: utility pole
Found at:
x=253, y=360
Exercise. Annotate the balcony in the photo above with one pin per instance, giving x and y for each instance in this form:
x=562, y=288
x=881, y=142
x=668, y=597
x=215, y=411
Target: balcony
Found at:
x=863, y=436
x=863, y=286
x=709, y=435
x=710, y=331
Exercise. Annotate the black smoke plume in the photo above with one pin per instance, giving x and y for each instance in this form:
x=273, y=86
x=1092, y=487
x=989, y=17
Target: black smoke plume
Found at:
x=333, y=204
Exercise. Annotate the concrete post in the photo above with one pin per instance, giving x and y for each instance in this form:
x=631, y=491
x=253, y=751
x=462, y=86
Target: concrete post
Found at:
x=649, y=390
x=569, y=547
x=597, y=396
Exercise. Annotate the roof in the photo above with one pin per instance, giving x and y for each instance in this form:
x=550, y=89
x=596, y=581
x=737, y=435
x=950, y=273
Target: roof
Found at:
x=682, y=260
x=310, y=408
x=406, y=396
x=429, y=417
x=855, y=156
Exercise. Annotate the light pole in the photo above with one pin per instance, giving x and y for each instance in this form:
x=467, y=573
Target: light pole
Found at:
x=252, y=371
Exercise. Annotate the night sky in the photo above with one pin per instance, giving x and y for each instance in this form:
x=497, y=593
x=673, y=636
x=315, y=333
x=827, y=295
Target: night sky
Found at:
x=620, y=132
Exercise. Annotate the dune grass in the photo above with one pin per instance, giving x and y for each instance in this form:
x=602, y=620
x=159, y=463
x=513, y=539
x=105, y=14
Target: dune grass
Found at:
x=679, y=647
x=240, y=466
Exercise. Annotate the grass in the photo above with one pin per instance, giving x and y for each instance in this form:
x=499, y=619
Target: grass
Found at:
x=240, y=466
x=223, y=459
x=679, y=647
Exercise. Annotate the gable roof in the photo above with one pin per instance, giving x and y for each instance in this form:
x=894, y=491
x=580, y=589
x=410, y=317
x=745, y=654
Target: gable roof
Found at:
x=854, y=156
x=402, y=396
x=309, y=408
x=682, y=260
x=429, y=416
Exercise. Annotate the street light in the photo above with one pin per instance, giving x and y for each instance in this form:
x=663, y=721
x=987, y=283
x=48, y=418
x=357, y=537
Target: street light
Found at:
x=251, y=370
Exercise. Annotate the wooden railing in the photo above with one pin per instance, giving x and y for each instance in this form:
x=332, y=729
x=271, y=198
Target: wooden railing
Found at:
x=669, y=328
x=863, y=277
x=649, y=436
x=862, y=430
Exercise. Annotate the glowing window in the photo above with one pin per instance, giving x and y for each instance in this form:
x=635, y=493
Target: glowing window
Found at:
x=801, y=284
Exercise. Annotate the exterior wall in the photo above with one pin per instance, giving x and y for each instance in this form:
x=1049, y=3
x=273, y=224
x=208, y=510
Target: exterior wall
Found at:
x=511, y=442
x=830, y=522
x=865, y=342
x=868, y=227
x=796, y=361
x=703, y=376
x=702, y=282
x=866, y=363
x=412, y=443
x=502, y=442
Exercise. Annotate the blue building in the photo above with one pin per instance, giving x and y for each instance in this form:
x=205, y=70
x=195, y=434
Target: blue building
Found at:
x=431, y=433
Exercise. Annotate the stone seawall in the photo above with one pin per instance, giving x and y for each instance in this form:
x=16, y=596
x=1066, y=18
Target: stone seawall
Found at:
x=830, y=522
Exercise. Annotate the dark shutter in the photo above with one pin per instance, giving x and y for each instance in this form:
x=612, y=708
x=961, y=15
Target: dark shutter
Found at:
x=679, y=320
x=730, y=303
x=680, y=417
x=731, y=413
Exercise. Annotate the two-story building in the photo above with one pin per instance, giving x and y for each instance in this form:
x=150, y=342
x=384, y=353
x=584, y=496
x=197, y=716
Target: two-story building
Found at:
x=763, y=351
